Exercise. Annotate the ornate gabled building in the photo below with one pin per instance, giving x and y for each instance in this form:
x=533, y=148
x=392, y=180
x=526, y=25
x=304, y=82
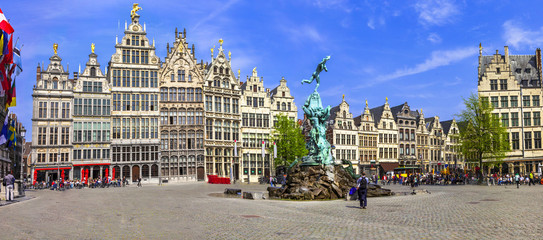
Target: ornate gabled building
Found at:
x=181, y=113
x=512, y=85
x=133, y=73
x=423, y=142
x=367, y=140
x=436, y=140
x=407, y=125
x=342, y=133
x=52, y=120
x=282, y=102
x=387, y=142
x=91, y=121
x=222, y=96
x=453, y=157
x=255, y=129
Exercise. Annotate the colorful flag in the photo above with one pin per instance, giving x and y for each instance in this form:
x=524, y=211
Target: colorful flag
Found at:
x=4, y=132
x=12, y=132
x=17, y=59
x=11, y=98
x=7, y=59
x=4, y=24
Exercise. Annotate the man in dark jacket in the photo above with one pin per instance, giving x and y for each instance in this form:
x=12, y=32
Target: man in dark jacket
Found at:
x=362, y=187
x=9, y=181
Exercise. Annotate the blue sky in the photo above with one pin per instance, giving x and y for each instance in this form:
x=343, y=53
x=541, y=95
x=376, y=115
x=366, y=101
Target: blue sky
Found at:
x=421, y=52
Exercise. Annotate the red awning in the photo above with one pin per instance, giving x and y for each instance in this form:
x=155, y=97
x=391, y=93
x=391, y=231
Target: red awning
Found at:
x=43, y=169
x=91, y=164
x=389, y=166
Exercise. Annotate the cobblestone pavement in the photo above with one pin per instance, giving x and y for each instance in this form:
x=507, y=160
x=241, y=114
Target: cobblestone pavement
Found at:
x=192, y=211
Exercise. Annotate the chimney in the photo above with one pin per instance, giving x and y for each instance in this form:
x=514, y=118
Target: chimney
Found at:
x=506, y=55
x=76, y=75
x=38, y=73
x=538, y=61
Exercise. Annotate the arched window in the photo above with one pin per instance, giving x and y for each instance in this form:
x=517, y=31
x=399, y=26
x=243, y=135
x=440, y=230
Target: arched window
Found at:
x=163, y=94
x=93, y=72
x=182, y=140
x=227, y=71
x=215, y=69
x=221, y=69
x=182, y=116
x=181, y=94
x=173, y=140
x=173, y=116
x=283, y=106
x=173, y=94
x=344, y=114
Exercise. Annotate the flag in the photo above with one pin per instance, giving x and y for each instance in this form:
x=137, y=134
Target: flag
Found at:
x=17, y=59
x=263, y=150
x=4, y=24
x=7, y=59
x=12, y=137
x=11, y=99
x=274, y=150
x=4, y=132
x=235, y=148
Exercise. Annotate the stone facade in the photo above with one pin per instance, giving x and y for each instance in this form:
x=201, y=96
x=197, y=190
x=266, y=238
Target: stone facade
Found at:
x=52, y=121
x=133, y=73
x=512, y=85
x=343, y=134
x=222, y=96
x=91, y=121
x=181, y=113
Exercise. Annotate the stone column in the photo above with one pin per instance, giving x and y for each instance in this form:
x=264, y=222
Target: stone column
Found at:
x=101, y=169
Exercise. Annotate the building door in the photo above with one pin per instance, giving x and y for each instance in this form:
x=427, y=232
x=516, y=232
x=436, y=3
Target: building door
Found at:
x=200, y=174
x=236, y=171
x=135, y=173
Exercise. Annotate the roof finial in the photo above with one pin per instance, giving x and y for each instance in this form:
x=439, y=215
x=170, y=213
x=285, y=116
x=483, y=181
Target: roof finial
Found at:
x=480, y=49
x=212, y=49
x=254, y=71
x=133, y=13
x=220, y=42
x=386, y=99
x=55, y=48
x=92, y=47
x=366, y=102
x=344, y=97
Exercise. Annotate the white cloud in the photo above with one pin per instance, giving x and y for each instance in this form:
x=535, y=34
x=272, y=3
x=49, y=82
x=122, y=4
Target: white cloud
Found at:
x=302, y=33
x=437, y=59
x=371, y=23
x=456, y=81
x=518, y=37
x=434, y=38
x=215, y=13
x=436, y=12
x=333, y=4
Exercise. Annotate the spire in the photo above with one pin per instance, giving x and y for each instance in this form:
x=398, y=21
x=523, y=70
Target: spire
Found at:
x=176, y=32
x=184, y=33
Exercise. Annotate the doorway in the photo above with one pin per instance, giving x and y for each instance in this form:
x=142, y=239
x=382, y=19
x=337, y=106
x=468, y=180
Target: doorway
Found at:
x=135, y=173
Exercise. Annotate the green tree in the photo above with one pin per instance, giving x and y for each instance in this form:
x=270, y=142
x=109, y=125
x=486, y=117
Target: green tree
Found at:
x=483, y=138
x=289, y=139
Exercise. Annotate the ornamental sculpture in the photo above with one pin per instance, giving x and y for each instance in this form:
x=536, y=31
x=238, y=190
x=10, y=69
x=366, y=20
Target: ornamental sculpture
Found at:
x=133, y=13
x=318, y=146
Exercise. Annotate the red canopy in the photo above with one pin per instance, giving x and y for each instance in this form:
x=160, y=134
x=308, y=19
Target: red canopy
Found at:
x=113, y=173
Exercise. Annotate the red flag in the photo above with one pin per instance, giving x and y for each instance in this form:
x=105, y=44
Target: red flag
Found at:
x=4, y=24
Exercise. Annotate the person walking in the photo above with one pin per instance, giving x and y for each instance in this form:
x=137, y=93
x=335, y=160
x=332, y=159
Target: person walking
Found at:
x=362, y=187
x=9, y=181
x=531, y=179
x=517, y=179
x=139, y=182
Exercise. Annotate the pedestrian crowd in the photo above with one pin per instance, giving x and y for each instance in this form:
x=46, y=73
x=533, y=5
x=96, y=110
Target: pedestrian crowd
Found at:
x=104, y=182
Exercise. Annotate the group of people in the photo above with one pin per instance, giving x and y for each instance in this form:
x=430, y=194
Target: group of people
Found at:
x=104, y=182
x=528, y=179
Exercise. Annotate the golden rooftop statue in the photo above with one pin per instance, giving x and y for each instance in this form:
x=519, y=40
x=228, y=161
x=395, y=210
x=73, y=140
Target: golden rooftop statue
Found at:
x=366, y=102
x=239, y=72
x=344, y=97
x=229, y=55
x=386, y=99
x=254, y=71
x=220, y=41
x=133, y=13
x=212, y=50
x=55, y=48
x=181, y=47
x=92, y=47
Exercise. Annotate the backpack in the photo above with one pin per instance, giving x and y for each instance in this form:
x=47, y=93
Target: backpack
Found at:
x=363, y=183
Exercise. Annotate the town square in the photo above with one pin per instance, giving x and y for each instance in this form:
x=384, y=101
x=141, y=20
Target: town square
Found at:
x=281, y=119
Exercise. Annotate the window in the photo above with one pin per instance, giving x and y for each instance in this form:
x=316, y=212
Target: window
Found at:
x=217, y=104
x=53, y=136
x=528, y=140
x=235, y=106
x=504, y=101
x=527, y=119
x=537, y=119
x=527, y=70
x=249, y=101
x=42, y=113
x=493, y=84
x=54, y=110
x=498, y=71
x=261, y=102
x=505, y=119
x=535, y=101
x=518, y=70
x=525, y=101
x=514, y=101
x=503, y=84
x=494, y=101
x=42, y=132
x=514, y=119
x=537, y=140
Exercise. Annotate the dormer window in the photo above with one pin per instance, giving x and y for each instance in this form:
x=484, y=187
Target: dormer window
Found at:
x=214, y=69
x=45, y=84
x=283, y=94
x=498, y=71
x=226, y=71
x=55, y=84
x=93, y=72
x=127, y=41
x=527, y=70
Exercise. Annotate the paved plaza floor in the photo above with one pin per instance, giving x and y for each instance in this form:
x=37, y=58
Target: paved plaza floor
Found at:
x=192, y=211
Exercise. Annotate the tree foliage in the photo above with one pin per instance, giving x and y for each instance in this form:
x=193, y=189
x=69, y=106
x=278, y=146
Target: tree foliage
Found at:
x=289, y=140
x=483, y=138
